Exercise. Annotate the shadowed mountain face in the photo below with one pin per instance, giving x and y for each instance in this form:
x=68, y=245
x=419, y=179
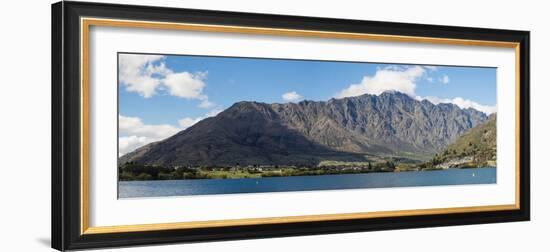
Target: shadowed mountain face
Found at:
x=391, y=124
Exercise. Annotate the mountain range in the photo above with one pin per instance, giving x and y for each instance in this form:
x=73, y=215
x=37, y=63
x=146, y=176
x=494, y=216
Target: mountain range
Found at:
x=391, y=124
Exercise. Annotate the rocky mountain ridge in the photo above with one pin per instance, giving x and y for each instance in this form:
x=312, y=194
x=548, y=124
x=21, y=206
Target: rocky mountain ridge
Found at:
x=306, y=133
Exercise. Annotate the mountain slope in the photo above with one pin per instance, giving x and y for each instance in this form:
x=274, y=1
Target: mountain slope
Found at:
x=247, y=134
x=391, y=124
x=476, y=148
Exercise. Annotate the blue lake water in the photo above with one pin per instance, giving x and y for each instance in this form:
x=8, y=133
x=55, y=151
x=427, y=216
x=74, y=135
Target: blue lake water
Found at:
x=132, y=189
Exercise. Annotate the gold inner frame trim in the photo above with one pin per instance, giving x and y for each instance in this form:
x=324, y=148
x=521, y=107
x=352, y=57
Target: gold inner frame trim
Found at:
x=289, y=219
x=86, y=23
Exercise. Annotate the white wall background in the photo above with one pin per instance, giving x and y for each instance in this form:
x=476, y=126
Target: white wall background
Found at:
x=25, y=125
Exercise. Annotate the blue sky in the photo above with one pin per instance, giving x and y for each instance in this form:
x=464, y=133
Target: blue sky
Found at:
x=160, y=95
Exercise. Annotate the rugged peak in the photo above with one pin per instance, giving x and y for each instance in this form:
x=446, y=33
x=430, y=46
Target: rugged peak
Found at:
x=248, y=110
x=394, y=93
x=246, y=104
x=391, y=94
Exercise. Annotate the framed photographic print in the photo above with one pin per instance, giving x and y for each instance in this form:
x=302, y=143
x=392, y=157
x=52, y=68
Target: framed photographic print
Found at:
x=181, y=125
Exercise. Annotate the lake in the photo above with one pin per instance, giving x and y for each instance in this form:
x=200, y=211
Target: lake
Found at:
x=158, y=188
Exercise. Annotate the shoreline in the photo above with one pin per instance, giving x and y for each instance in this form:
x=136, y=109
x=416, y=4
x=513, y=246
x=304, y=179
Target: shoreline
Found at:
x=295, y=172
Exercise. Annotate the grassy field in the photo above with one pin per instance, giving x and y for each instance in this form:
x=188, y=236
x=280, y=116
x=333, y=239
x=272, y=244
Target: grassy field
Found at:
x=230, y=174
x=281, y=172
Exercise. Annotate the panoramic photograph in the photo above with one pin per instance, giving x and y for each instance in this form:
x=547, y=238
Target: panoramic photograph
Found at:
x=200, y=125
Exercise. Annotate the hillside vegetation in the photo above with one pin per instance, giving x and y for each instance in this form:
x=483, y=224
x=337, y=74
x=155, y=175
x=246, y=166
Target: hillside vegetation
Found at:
x=476, y=148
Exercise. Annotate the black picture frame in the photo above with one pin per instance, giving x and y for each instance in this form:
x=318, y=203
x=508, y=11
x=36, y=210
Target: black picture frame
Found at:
x=66, y=114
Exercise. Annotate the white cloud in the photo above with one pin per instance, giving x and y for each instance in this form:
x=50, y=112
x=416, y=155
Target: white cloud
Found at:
x=205, y=103
x=134, y=126
x=145, y=74
x=137, y=73
x=129, y=143
x=185, y=85
x=292, y=97
x=391, y=78
x=461, y=103
x=134, y=133
x=213, y=112
x=445, y=79
x=188, y=122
